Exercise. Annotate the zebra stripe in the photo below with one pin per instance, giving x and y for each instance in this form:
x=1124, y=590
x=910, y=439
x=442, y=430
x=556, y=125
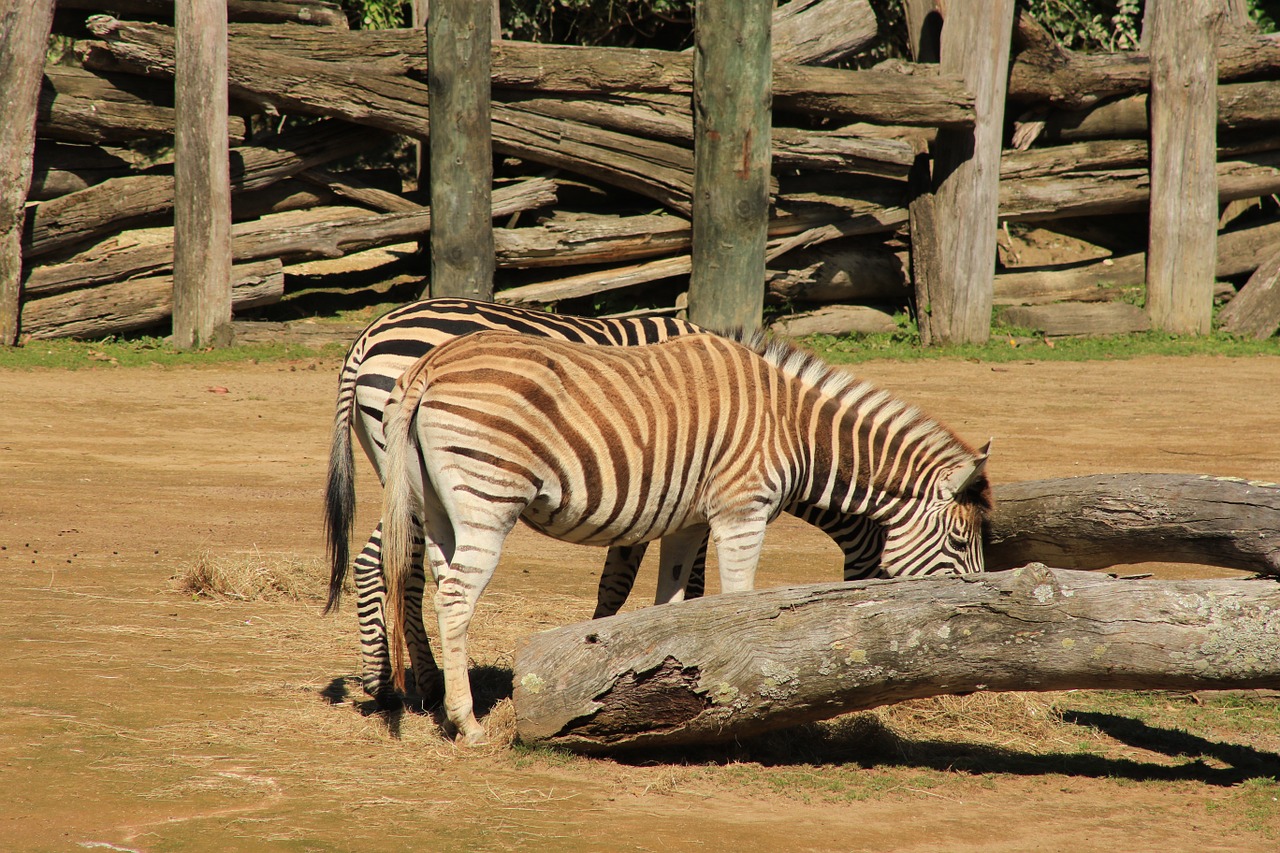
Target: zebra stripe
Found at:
x=617, y=446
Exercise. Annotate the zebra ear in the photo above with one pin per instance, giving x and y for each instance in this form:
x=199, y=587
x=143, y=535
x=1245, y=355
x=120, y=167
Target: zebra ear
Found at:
x=965, y=476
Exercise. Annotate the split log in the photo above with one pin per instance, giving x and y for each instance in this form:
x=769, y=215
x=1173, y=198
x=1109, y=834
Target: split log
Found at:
x=822, y=32
x=1078, y=318
x=133, y=199
x=1239, y=252
x=730, y=666
x=1099, y=521
x=1255, y=311
x=139, y=304
x=594, y=283
x=839, y=271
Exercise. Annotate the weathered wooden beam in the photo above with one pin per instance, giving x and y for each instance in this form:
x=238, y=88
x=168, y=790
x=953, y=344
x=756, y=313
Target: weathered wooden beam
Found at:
x=461, y=149
x=23, y=41
x=732, y=666
x=1098, y=521
x=732, y=122
x=1184, y=190
x=201, y=179
x=1077, y=318
x=315, y=13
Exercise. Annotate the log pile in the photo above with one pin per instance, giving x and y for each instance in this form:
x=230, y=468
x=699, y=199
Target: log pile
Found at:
x=595, y=164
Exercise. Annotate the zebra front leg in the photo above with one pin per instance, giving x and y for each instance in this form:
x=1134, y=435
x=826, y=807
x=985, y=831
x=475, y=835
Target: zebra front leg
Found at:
x=739, y=541
x=680, y=552
x=619, y=575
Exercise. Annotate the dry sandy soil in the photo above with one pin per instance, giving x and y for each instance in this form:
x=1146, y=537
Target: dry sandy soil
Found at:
x=138, y=717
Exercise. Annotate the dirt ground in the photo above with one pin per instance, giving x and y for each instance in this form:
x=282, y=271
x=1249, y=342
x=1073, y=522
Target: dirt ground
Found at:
x=135, y=717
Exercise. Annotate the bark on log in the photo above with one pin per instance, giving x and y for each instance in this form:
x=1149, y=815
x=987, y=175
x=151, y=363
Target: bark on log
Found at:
x=1241, y=106
x=133, y=199
x=822, y=32
x=1255, y=311
x=731, y=666
x=835, y=320
x=130, y=306
x=1099, y=521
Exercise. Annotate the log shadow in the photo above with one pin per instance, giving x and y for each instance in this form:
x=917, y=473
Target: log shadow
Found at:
x=863, y=740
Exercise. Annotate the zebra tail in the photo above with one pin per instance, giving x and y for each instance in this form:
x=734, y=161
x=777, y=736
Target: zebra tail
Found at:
x=398, y=509
x=340, y=490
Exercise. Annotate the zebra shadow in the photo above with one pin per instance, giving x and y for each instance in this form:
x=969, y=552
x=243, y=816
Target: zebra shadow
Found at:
x=489, y=686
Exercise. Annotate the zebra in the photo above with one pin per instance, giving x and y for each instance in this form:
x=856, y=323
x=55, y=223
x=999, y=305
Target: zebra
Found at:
x=380, y=355
x=618, y=446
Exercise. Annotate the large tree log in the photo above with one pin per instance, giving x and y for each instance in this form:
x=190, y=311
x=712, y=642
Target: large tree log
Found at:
x=730, y=666
x=312, y=12
x=1099, y=521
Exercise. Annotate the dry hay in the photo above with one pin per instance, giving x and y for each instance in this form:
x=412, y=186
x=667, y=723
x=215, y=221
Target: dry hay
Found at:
x=255, y=576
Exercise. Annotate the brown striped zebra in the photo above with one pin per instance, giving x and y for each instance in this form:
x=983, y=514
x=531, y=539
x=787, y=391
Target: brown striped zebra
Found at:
x=617, y=446
x=376, y=359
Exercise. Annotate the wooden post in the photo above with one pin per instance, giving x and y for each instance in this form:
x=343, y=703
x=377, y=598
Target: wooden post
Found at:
x=732, y=93
x=24, y=35
x=459, y=34
x=202, y=178
x=1184, y=187
x=954, y=289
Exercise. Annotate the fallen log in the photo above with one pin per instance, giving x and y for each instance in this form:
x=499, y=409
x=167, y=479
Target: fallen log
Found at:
x=1240, y=106
x=1099, y=521
x=318, y=14
x=729, y=666
x=60, y=168
x=139, y=304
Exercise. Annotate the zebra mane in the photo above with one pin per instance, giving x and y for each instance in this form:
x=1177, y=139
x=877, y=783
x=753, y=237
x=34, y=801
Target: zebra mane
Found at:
x=832, y=381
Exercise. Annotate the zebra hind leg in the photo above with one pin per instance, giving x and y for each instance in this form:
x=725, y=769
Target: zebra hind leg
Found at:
x=371, y=593
x=617, y=578
x=680, y=552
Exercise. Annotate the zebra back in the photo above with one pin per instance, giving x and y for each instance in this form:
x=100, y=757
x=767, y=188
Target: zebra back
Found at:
x=393, y=342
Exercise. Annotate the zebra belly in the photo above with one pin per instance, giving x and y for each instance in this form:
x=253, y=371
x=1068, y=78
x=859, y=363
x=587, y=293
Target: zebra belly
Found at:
x=607, y=526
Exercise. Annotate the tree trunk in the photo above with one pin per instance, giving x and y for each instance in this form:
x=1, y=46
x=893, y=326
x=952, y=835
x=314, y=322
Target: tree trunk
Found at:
x=966, y=177
x=459, y=38
x=1099, y=521
x=732, y=666
x=22, y=46
x=732, y=121
x=202, y=179
x=1184, y=191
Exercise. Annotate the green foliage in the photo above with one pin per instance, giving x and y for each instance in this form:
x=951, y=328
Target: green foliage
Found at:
x=377, y=14
x=615, y=23
x=1094, y=25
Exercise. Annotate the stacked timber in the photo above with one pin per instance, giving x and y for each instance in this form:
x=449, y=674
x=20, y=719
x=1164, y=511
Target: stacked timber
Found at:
x=595, y=166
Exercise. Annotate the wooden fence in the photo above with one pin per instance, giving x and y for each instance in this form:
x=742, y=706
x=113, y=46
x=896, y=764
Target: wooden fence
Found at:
x=887, y=188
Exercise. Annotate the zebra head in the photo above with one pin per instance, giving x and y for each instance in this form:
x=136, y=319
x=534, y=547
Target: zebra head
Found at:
x=942, y=532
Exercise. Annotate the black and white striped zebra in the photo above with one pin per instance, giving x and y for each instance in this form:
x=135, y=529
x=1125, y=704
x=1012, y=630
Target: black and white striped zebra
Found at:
x=616, y=446
x=373, y=363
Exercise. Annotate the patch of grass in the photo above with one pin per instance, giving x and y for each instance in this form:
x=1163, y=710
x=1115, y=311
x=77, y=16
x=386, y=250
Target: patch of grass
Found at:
x=1011, y=344
x=1260, y=799
x=255, y=576
x=66, y=354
